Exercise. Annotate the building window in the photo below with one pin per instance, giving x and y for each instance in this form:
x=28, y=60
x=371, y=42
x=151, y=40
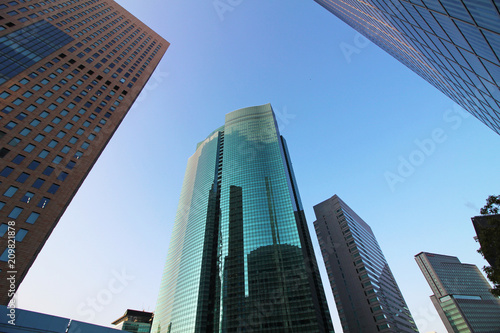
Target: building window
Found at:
x=43, y=153
x=32, y=218
x=53, y=188
x=10, y=191
x=5, y=254
x=29, y=148
x=25, y=131
x=22, y=177
x=33, y=165
x=70, y=165
x=48, y=171
x=14, y=142
x=20, y=234
x=57, y=159
x=43, y=202
x=65, y=149
x=35, y=122
x=62, y=176
x=10, y=125
x=14, y=214
x=6, y=171
x=3, y=229
x=38, y=183
x=27, y=197
x=18, y=159
x=4, y=95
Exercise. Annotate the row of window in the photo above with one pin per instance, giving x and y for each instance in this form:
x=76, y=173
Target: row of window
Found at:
x=16, y=211
x=38, y=183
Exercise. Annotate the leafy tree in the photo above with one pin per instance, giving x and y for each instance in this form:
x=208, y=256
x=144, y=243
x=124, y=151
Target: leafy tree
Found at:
x=490, y=241
x=492, y=205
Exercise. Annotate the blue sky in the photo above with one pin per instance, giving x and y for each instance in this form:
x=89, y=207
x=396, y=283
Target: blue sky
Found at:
x=403, y=156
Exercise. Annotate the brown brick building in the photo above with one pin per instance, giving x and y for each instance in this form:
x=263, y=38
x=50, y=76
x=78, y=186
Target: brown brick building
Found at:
x=69, y=72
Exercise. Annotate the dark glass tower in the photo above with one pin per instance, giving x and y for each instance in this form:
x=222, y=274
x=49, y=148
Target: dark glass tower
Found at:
x=453, y=44
x=366, y=294
x=69, y=73
x=462, y=295
x=240, y=258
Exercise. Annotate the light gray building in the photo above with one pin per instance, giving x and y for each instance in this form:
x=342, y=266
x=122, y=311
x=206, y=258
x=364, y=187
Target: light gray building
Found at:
x=366, y=294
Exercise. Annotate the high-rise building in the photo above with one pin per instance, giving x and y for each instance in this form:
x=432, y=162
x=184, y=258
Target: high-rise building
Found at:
x=453, y=44
x=69, y=72
x=240, y=257
x=462, y=295
x=134, y=321
x=366, y=294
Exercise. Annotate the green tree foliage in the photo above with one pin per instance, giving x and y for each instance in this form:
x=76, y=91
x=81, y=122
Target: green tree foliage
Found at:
x=492, y=205
x=490, y=241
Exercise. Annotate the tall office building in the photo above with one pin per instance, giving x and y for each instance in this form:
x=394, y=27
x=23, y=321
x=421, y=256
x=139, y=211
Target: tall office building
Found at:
x=366, y=294
x=69, y=73
x=453, y=44
x=240, y=258
x=461, y=294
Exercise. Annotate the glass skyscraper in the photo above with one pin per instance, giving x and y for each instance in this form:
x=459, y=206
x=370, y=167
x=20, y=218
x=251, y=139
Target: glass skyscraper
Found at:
x=69, y=73
x=462, y=295
x=453, y=44
x=366, y=294
x=240, y=258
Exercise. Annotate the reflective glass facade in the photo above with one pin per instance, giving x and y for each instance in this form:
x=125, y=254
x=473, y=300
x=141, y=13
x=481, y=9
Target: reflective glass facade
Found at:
x=453, y=44
x=24, y=47
x=366, y=294
x=461, y=294
x=69, y=73
x=240, y=258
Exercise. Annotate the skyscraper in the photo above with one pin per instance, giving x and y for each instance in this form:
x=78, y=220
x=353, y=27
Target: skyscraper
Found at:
x=453, y=44
x=461, y=294
x=240, y=258
x=69, y=73
x=366, y=294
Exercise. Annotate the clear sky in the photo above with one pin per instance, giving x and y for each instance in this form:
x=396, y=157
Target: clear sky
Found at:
x=403, y=156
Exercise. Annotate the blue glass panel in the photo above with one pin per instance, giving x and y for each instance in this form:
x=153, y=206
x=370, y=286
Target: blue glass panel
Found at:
x=24, y=47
